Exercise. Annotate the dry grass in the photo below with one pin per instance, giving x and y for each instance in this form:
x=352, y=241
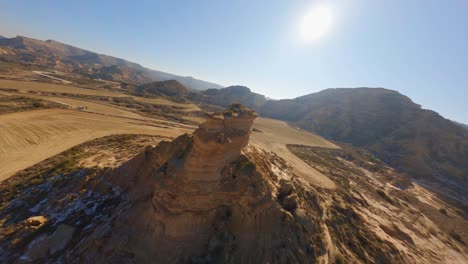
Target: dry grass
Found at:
x=69, y=89
x=52, y=88
x=15, y=103
x=29, y=137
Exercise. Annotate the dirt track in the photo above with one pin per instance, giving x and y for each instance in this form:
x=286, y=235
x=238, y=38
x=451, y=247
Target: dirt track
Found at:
x=29, y=137
x=275, y=135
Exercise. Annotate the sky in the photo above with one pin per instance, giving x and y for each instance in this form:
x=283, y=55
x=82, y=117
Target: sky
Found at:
x=418, y=47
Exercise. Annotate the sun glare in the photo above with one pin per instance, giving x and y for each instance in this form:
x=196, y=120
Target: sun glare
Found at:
x=316, y=23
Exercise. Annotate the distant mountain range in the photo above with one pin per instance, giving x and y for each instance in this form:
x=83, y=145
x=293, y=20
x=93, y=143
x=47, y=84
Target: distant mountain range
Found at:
x=66, y=58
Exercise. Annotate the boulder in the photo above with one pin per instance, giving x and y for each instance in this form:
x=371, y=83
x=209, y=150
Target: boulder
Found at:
x=35, y=221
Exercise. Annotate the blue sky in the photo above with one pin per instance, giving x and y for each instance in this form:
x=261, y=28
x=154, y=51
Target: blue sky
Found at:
x=418, y=47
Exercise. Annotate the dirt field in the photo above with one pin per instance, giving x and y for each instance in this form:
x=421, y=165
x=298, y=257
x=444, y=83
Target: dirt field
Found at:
x=93, y=107
x=273, y=135
x=29, y=137
x=58, y=88
x=53, y=88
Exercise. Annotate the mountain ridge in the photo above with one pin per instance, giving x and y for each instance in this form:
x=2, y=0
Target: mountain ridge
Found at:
x=68, y=58
x=394, y=128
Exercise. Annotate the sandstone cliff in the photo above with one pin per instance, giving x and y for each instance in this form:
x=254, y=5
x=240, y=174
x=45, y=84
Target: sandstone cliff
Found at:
x=205, y=197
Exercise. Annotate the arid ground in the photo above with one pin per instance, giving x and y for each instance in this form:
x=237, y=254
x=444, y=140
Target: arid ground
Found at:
x=28, y=137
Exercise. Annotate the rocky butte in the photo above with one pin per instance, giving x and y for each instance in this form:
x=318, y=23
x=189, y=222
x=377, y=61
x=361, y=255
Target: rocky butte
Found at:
x=206, y=197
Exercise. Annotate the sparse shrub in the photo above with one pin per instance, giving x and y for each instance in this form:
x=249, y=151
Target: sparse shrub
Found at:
x=443, y=211
x=246, y=164
x=384, y=196
x=36, y=181
x=67, y=165
x=37, y=104
x=456, y=236
x=460, y=212
x=256, y=130
x=339, y=258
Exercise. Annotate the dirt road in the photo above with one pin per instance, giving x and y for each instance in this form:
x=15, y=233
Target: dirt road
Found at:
x=275, y=135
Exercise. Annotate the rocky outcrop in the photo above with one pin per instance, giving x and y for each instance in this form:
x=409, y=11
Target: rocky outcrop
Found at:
x=45, y=245
x=218, y=142
x=206, y=198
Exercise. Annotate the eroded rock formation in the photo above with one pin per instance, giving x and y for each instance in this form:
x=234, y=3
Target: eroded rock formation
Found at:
x=206, y=197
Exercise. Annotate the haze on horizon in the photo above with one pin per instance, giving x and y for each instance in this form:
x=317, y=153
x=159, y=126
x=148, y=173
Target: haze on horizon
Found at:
x=282, y=49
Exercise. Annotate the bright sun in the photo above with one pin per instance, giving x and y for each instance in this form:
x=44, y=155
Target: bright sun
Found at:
x=316, y=23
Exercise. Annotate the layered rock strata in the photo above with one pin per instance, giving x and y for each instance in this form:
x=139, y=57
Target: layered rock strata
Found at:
x=204, y=198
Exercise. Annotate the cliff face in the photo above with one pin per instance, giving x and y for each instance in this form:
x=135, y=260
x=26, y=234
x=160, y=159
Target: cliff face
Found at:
x=204, y=198
x=216, y=143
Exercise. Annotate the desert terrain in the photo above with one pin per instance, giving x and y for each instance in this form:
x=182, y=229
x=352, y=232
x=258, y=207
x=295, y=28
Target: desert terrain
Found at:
x=102, y=160
x=28, y=137
x=273, y=135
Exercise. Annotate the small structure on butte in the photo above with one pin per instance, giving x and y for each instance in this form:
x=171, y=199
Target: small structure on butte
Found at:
x=217, y=142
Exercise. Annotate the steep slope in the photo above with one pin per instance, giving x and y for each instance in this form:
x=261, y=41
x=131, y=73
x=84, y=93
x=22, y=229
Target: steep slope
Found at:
x=210, y=197
x=58, y=56
x=465, y=126
x=417, y=141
